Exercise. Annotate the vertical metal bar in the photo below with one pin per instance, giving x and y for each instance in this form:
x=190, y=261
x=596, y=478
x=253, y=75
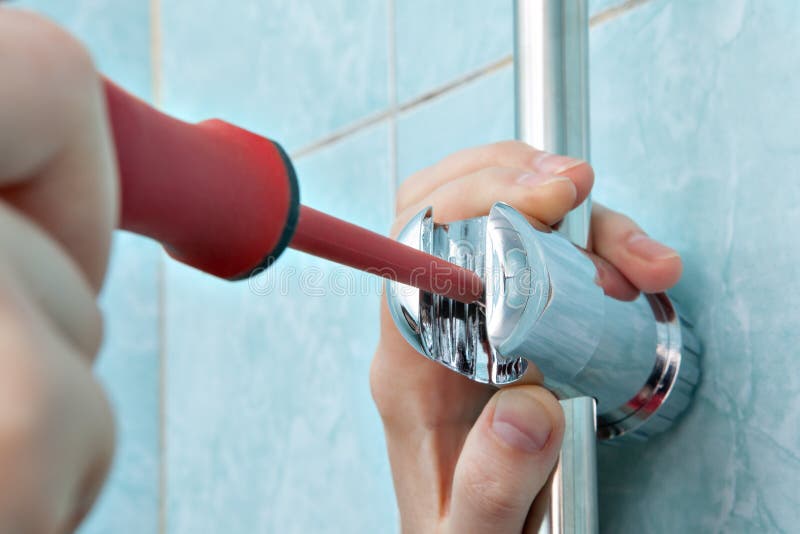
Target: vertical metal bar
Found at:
x=551, y=68
x=570, y=500
x=551, y=65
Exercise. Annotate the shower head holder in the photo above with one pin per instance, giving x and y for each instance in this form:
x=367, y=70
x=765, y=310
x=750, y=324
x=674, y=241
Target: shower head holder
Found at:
x=543, y=307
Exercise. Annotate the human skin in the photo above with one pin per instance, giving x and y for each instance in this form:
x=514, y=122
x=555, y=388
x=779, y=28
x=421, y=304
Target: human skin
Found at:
x=58, y=207
x=465, y=457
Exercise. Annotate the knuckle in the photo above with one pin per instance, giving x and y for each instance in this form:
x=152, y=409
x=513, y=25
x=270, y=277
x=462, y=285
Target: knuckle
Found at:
x=614, y=226
x=485, y=490
x=23, y=391
x=408, y=190
x=381, y=395
x=402, y=196
x=393, y=405
x=397, y=227
x=407, y=193
x=31, y=397
x=453, y=158
x=513, y=145
x=402, y=219
x=503, y=149
x=52, y=44
x=496, y=173
x=616, y=217
x=53, y=58
x=93, y=334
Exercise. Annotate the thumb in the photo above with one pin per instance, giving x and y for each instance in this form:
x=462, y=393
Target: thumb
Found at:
x=506, y=460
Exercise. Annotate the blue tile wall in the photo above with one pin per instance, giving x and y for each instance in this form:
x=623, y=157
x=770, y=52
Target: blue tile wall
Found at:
x=598, y=6
x=694, y=116
x=129, y=368
x=271, y=427
x=117, y=33
x=477, y=113
x=439, y=40
x=291, y=70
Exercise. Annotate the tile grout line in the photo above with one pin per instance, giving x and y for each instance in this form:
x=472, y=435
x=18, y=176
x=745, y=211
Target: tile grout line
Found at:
x=394, y=109
x=346, y=131
x=613, y=12
x=456, y=83
x=397, y=109
x=157, y=95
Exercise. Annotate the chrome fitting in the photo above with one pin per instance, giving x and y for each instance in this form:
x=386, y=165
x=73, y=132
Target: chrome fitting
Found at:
x=638, y=359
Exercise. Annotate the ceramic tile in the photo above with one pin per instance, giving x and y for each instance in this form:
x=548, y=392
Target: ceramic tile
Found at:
x=271, y=426
x=694, y=113
x=442, y=40
x=438, y=41
x=116, y=32
x=294, y=71
x=599, y=6
x=128, y=367
x=477, y=113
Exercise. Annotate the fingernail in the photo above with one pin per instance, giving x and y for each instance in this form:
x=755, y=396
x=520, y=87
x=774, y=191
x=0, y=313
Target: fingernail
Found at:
x=649, y=249
x=521, y=421
x=554, y=163
x=540, y=179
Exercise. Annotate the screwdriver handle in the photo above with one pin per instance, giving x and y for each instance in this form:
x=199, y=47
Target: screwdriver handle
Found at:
x=219, y=198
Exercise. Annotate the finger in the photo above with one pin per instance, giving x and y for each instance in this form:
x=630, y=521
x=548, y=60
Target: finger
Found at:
x=413, y=392
x=56, y=157
x=510, y=154
x=541, y=196
x=506, y=461
x=608, y=277
x=612, y=281
x=648, y=264
x=56, y=431
x=52, y=279
x=424, y=428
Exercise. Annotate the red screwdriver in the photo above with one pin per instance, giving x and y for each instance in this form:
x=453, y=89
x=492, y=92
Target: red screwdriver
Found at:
x=225, y=200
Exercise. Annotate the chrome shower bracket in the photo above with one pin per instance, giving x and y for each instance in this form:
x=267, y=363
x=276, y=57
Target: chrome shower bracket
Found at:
x=543, y=307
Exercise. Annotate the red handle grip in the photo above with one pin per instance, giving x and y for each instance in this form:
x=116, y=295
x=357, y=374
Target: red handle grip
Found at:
x=219, y=198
